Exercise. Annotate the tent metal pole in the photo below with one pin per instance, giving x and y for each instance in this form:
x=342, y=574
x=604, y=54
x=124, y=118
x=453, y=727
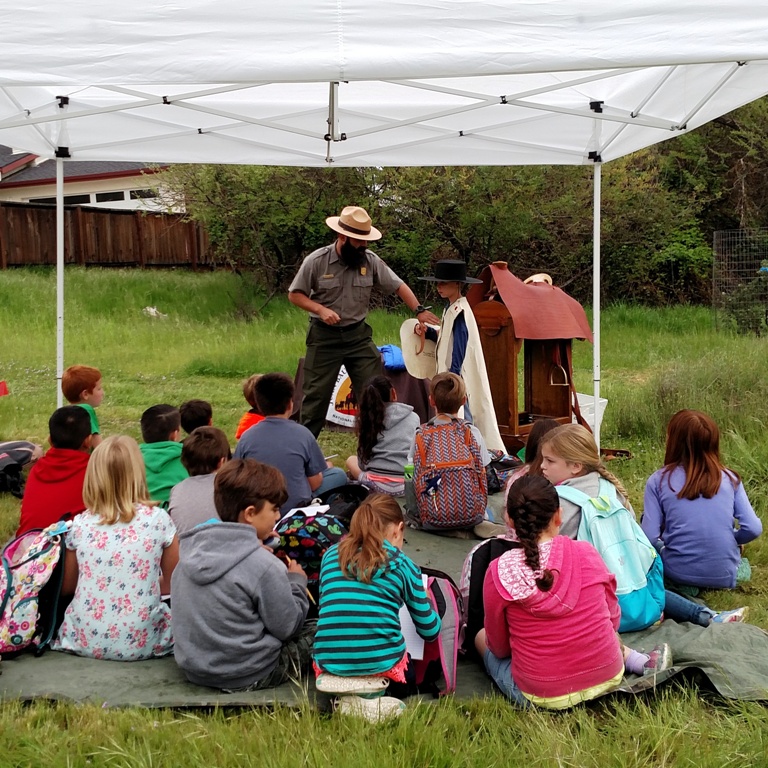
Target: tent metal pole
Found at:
x=59, y=279
x=596, y=297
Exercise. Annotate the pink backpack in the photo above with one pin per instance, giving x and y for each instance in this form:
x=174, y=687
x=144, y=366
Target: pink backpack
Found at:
x=436, y=672
x=31, y=574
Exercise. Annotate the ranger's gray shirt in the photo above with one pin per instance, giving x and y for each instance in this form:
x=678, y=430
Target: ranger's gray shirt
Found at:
x=345, y=290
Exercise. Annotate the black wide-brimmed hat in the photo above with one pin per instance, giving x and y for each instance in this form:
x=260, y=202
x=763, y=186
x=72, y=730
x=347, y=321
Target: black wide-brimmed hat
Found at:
x=451, y=271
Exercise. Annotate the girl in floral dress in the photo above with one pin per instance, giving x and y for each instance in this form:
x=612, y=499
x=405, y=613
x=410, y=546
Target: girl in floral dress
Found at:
x=117, y=551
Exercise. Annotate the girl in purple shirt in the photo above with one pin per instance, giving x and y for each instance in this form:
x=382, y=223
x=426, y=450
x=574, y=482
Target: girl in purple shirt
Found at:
x=696, y=510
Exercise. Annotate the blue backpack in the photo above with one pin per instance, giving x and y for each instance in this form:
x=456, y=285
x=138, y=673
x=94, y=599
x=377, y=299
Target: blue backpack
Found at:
x=613, y=531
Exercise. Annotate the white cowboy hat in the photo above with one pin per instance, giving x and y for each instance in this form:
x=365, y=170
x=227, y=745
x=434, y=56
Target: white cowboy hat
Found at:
x=354, y=222
x=419, y=353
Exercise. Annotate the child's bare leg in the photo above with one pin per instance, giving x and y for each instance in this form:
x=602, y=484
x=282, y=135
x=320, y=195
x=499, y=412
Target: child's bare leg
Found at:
x=480, y=643
x=353, y=467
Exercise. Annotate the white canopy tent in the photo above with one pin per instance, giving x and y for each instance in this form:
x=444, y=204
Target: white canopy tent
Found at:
x=365, y=82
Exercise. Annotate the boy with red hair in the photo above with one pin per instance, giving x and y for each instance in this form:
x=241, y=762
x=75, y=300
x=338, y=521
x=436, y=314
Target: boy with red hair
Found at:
x=81, y=385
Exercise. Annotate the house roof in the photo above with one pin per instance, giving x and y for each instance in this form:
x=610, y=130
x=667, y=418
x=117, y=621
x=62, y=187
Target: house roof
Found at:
x=538, y=310
x=10, y=159
x=45, y=172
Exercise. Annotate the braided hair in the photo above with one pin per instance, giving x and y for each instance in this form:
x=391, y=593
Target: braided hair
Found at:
x=531, y=504
x=377, y=393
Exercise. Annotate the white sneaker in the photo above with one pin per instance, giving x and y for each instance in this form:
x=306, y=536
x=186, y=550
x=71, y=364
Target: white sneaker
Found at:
x=333, y=684
x=737, y=615
x=373, y=710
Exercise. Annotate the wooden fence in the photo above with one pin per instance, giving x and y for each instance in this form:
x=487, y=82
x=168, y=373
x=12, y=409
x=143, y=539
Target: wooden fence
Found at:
x=96, y=236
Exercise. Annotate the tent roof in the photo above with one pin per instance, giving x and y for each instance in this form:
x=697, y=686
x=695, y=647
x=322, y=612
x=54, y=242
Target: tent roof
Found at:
x=367, y=82
x=538, y=310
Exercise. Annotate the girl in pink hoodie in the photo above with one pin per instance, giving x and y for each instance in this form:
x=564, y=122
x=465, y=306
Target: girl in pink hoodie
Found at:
x=551, y=612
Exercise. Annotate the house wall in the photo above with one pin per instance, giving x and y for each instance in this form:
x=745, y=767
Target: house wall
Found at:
x=123, y=184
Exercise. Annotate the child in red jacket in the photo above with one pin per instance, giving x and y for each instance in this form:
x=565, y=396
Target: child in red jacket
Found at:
x=55, y=485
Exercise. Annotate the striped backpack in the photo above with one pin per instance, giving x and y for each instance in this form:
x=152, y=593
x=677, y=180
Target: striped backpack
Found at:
x=30, y=584
x=448, y=476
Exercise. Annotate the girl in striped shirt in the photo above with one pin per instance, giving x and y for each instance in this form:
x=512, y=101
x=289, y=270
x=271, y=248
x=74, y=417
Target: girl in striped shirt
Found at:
x=364, y=581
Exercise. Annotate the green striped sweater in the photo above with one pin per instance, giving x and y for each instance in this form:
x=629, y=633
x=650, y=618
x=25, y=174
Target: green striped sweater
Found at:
x=358, y=631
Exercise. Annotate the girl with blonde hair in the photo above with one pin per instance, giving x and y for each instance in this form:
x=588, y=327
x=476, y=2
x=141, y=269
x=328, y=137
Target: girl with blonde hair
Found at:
x=569, y=455
x=364, y=581
x=117, y=551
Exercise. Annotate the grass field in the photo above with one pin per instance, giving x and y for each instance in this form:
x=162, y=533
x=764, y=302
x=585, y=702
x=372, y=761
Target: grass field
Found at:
x=654, y=362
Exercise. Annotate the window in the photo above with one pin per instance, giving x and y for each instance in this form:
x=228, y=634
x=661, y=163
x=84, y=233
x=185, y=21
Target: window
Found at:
x=108, y=197
x=142, y=194
x=68, y=200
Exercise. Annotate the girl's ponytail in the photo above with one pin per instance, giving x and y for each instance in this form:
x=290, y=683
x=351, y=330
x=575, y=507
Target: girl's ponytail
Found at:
x=361, y=553
x=377, y=392
x=531, y=504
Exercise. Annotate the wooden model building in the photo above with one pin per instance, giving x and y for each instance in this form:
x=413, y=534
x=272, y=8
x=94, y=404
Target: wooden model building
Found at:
x=540, y=320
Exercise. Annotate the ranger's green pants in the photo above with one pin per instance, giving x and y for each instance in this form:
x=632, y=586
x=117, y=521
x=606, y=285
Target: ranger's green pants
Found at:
x=328, y=348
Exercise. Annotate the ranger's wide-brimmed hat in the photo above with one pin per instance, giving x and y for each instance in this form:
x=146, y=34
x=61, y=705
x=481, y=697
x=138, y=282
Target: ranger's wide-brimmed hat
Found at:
x=451, y=271
x=354, y=222
x=419, y=353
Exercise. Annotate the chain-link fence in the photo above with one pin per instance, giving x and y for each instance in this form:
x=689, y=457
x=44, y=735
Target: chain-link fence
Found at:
x=740, y=280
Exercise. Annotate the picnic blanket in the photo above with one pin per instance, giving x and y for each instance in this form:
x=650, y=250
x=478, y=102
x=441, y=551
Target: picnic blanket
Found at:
x=733, y=658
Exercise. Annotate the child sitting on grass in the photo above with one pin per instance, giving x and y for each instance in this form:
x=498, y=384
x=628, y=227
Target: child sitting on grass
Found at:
x=117, y=551
x=238, y=612
x=551, y=611
x=449, y=491
x=254, y=415
x=81, y=385
x=286, y=445
x=160, y=430
x=385, y=431
x=364, y=581
x=55, y=484
x=203, y=453
x=691, y=505
x=194, y=414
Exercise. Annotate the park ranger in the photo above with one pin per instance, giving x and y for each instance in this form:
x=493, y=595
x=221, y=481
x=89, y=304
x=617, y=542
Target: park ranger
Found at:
x=334, y=285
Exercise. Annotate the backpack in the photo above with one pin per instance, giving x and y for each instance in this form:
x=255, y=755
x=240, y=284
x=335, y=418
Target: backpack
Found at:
x=305, y=539
x=449, y=479
x=471, y=582
x=13, y=456
x=30, y=587
x=441, y=655
x=612, y=529
x=343, y=501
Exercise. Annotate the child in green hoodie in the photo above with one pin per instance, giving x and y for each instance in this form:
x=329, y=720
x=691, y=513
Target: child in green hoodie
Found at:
x=161, y=449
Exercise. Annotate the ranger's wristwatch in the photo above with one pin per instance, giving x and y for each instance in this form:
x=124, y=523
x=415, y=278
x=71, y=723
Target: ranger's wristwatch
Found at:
x=421, y=308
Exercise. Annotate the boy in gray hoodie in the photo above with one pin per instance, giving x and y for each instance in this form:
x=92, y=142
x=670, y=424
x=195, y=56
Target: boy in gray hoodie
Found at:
x=237, y=612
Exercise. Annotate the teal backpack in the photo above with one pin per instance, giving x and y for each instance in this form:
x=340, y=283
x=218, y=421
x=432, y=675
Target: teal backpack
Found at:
x=613, y=531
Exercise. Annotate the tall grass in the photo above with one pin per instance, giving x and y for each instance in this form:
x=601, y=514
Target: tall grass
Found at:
x=653, y=363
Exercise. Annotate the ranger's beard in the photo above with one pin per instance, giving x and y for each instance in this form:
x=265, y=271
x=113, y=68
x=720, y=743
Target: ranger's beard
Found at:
x=351, y=256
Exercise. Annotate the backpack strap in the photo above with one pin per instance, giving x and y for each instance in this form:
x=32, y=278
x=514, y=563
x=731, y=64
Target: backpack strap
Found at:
x=574, y=495
x=420, y=446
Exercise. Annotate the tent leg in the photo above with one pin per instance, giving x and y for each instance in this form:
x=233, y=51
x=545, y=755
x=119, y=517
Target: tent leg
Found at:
x=596, y=297
x=59, y=279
